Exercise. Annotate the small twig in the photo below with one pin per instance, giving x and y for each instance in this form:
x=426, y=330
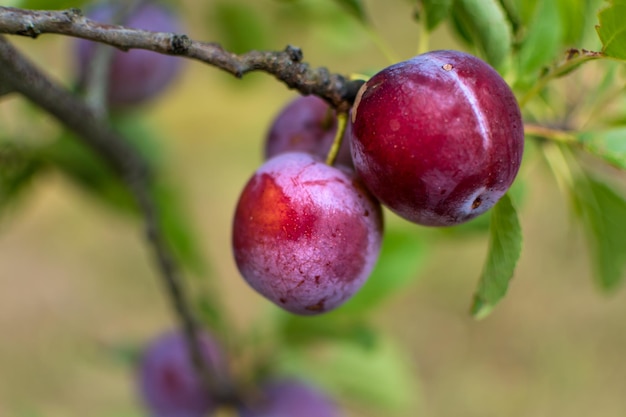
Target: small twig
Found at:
x=286, y=66
x=73, y=113
x=573, y=58
x=544, y=132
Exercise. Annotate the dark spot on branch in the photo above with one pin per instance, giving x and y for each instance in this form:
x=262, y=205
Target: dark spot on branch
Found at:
x=295, y=53
x=29, y=31
x=180, y=44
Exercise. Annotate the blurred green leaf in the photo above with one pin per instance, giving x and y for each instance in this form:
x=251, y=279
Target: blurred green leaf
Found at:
x=355, y=8
x=403, y=254
x=333, y=326
x=142, y=136
x=505, y=246
x=609, y=145
x=381, y=376
x=18, y=166
x=573, y=17
x=512, y=13
x=612, y=29
x=526, y=10
x=543, y=40
x=90, y=172
x=434, y=12
x=485, y=23
x=337, y=31
x=52, y=4
x=602, y=212
x=460, y=28
x=241, y=28
x=177, y=226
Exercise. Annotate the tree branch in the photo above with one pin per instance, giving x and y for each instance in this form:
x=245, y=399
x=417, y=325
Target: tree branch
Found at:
x=286, y=66
x=22, y=76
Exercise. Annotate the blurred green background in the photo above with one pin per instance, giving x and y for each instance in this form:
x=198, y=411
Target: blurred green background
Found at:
x=78, y=290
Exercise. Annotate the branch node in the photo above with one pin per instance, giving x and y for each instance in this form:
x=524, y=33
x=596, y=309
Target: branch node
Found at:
x=30, y=31
x=180, y=44
x=295, y=53
x=73, y=13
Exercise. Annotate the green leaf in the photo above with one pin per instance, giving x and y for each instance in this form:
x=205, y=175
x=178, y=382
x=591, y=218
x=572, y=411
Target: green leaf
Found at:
x=573, y=18
x=612, y=29
x=505, y=246
x=526, y=10
x=512, y=12
x=434, y=12
x=543, y=40
x=88, y=171
x=333, y=326
x=485, y=23
x=241, y=27
x=18, y=167
x=602, y=212
x=403, y=254
x=52, y=4
x=380, y=377
x=609, y=145
x=355, y=8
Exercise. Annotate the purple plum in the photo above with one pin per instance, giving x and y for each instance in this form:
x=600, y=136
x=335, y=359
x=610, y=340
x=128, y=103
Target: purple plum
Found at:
x=306, y=235
x=438, y=138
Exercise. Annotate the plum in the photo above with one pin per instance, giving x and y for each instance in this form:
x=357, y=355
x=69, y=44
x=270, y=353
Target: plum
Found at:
x=438, y=138
x=306, y=235
x=291, y=398
x=137, y=75
x=308, y=124
x=168, y=382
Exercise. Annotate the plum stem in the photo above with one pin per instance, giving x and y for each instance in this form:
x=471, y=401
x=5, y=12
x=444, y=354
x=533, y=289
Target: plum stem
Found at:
x=287, y=66
x=342, y=122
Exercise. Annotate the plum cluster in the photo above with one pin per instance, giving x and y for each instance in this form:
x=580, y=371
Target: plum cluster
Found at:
x=438, y=139
x=170, y=386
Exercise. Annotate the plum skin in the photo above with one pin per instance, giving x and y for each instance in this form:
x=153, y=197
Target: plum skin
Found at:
x=168, y=383
x=308, y=124
x=306, y=235
x=137, y=75
x=438, y=138
x=290, y=397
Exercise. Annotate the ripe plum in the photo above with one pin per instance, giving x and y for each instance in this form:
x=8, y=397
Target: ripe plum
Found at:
x=168, y=382
x=306, y=235
x=438, y=138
